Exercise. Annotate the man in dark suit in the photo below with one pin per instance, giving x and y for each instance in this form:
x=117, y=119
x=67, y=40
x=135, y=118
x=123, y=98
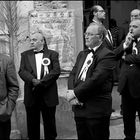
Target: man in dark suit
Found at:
x=90, y=85
x=40, y=69
x=118, y=35
x=8, y=94
x=98, y=15
x=129, y=81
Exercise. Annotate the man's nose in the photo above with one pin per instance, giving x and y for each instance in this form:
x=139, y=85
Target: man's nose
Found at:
x=31, y=42
x=131, y=30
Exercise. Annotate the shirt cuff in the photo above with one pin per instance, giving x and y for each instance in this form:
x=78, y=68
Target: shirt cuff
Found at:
x=124, y=46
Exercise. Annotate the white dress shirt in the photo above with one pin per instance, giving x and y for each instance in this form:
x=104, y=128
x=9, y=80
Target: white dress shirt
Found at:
x=38, y=58
x=134, y=49
x=109, y=36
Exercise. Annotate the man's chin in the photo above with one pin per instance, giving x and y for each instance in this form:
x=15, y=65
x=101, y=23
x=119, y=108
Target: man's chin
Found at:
x=87, y=45
x=32, y=47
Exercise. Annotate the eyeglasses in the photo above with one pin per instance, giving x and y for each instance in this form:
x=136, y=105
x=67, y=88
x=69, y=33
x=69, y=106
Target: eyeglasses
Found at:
x=101, y=11
x=90, y=34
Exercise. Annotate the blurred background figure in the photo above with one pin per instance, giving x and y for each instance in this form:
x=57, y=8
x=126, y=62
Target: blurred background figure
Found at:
x=135, y=14
x=118, y=34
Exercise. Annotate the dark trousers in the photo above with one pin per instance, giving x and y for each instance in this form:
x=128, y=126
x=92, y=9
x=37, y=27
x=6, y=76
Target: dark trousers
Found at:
x=93, y=129
x=130, y=105
x=33, y=121
x=5, y=129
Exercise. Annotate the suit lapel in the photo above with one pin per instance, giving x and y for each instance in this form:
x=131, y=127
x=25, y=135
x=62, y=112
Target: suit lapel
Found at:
x=32, y=61
x=108, y=44
x=81, y=63
x=138, y=47
x=95, y=56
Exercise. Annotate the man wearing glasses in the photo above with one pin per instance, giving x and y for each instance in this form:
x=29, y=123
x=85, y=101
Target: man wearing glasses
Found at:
x=98, y=15
x=90, y=85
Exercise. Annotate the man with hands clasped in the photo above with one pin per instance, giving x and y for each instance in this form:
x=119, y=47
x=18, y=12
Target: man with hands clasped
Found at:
x=39, y=69
x=129, y=80
x=90, y=86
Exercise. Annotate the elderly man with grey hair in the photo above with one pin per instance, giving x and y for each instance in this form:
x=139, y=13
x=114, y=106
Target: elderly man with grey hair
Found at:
x=90, y=86
x=135, y=14
x=39, y=69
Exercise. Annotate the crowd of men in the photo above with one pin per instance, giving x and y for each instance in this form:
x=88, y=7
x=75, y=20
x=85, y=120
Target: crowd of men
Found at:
x=90, y=82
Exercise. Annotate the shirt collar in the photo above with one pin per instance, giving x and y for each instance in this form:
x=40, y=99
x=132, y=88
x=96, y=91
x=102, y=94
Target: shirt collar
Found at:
x=97, y=22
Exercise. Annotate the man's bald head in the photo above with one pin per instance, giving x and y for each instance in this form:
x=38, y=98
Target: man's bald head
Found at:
x=37, y=34
x=37, y=40
x=134, y=27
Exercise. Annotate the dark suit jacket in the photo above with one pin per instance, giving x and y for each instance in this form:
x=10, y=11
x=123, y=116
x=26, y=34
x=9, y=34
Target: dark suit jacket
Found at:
x=47, y=89
x=8, y=87
x=95, y=91
x=130, y=70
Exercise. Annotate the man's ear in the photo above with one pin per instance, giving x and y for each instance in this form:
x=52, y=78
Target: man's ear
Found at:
x=42, y=40
x=94, y=13
x=101, y=37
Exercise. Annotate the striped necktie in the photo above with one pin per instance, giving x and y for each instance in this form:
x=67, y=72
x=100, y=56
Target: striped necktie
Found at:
x=110, y=37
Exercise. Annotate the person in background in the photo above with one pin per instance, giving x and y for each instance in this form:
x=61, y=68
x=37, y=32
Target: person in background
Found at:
x=9, y=89
x=129, y=81
x=90, y=86
x=39, y=69
x=118, y=35
x=98, y=15
x=135, y=14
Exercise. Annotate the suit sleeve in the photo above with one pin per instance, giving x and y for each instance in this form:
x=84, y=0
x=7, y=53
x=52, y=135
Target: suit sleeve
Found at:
x=73, y=73
x=25, y=75
x=54, y=72
x=99, y=76
x=119, y=51
x=12, y=85
x=132, y=59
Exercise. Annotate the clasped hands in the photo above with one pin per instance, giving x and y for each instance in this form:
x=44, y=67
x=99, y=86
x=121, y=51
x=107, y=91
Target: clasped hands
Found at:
x=71, y=98
x=35, y=82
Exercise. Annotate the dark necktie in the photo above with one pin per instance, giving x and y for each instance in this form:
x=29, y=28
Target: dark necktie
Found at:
x=36, y=52
x=136, y=41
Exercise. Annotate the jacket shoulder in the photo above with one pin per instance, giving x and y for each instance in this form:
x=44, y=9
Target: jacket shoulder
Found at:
x=105, y=52
x=53, y=51
x=27, y=52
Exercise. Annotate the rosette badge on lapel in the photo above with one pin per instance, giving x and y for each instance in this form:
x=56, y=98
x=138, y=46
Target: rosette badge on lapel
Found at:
x=46, y=62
